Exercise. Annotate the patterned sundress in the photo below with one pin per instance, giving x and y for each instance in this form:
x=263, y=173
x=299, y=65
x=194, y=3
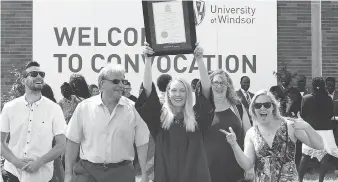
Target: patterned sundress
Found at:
x=270, y=159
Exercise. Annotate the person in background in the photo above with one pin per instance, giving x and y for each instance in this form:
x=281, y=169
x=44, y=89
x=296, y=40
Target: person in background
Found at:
x=244, y=94
x=126, y=93
x=59, y=172
x=79, y=86
x=294, y=100
x=333, y=93
x=194, y=83
x=285, y=81
x=280, y=97
x=93, y=90
x=69, y=101
x=293, y=106
x=103, y=129
x=48, y=92
x=162, y=83
x=301, y=84
x=270, y=144
x=193, y=86
x=317, y=110
x=32, y=121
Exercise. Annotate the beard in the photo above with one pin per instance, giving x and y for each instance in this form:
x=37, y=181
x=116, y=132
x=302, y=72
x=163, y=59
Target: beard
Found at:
x=35, y=88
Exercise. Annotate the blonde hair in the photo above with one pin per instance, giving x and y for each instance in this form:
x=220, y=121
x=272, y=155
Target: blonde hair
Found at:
x=168, y=117
x=274, y=102
x=230, y=93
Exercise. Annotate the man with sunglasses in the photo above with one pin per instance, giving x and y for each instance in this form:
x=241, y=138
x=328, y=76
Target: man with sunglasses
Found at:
x=32, y=122
x=104, y=129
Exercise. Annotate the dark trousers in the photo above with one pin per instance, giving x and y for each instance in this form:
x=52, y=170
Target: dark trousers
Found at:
x=11, y=177
x=85, y=171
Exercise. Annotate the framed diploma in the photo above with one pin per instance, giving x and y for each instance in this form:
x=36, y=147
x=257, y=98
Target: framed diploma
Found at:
x=169, y=26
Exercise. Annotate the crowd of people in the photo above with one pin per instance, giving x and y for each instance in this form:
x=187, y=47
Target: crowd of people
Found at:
x=174, y=131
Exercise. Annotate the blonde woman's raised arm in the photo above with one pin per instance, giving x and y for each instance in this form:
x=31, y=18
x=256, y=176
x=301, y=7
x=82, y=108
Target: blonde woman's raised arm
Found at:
x=204, y=77
x=147, y=76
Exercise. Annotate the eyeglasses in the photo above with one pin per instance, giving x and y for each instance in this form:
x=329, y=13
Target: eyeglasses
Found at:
x=216, y=83
x=267, y=105
x=117, y=81
x=36, y=73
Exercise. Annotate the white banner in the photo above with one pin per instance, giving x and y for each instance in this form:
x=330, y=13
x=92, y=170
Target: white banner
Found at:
x=82, y=36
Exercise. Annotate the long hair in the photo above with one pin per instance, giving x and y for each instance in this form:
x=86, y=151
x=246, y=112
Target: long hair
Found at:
x=274, y=102
x=79, y=86
x=230, y=93
x=279, y=95
x=296, y=105
x=48, y=92
x=168, y=116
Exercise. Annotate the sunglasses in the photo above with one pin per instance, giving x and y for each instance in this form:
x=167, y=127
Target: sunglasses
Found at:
x=117, y=81
x=267, y=105
x=36, y=73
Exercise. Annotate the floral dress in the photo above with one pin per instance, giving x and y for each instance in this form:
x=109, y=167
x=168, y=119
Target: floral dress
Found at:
x=68, y=106
x=269, y=160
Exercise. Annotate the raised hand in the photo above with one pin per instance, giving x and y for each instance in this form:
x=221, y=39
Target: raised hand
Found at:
x=299, y=123
x=147, y=51
x=198, y=52
x=231, y=136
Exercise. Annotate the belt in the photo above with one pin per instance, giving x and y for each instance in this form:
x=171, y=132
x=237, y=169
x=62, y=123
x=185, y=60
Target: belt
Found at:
x=109, y=165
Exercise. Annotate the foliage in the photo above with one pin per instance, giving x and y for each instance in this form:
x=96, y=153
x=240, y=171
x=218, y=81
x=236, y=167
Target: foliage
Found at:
x=284, y=73
x=17, y=90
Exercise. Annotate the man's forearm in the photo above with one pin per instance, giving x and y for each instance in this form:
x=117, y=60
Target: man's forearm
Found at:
x=72, y=151
x=7, y=154
x=53, y=154
x=142, y=157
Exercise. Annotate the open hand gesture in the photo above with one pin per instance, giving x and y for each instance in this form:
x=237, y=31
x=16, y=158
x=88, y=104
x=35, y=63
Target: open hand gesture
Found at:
x=231, y=136
x=147, y=51
x=299, y=123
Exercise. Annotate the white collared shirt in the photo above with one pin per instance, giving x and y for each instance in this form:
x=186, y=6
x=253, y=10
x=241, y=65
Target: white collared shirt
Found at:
x=331, y=95
x=32, y=129
x=105, y=137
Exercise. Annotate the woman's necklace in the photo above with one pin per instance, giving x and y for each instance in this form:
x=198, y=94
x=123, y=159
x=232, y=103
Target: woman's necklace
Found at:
x=268, y=132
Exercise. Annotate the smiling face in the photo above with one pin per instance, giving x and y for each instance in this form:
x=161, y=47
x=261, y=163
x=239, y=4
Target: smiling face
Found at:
x=33, y=79
x=245, y=83
x=95, y=91
x=177, y=93
x=109, y=88
x=263, y=108
x=330, y=86
x=219, y=87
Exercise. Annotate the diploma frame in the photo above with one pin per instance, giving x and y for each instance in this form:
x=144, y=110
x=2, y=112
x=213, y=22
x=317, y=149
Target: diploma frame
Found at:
x=187, y=47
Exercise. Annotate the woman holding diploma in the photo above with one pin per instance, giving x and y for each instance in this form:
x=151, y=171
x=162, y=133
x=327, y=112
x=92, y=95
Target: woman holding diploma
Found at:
x=177, y=125
x=270, y=144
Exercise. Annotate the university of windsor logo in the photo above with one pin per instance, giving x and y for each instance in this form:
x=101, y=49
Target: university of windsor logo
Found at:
x=199, y=11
